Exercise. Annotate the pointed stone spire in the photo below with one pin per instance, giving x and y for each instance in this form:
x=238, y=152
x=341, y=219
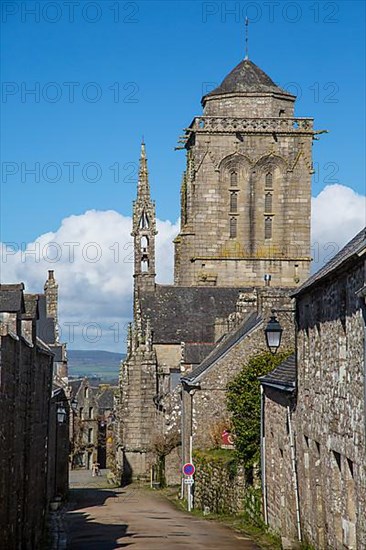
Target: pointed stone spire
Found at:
x=144, y=229
x=143, y=188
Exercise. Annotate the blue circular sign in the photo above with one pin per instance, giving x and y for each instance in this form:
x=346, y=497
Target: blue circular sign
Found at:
x=189, y=469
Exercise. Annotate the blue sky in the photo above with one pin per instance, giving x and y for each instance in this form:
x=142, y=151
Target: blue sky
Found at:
x=159, y=55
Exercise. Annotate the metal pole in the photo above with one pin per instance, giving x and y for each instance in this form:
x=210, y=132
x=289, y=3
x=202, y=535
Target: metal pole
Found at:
x=190, y=485
x=263, y=457
x=294, y=474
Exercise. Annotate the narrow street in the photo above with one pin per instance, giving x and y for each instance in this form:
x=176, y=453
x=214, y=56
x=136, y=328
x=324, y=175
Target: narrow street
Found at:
x=102, y=518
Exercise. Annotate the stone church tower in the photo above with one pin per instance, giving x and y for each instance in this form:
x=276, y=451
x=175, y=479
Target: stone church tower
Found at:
x=245, y=214
x=246, y=189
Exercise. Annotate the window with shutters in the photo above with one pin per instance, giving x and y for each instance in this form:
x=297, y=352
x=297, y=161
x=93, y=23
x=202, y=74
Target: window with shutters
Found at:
x=269, y=180
x=233, y=202
x=268, y=202
x=268, y=227
x=234, y=179
x=233, y=228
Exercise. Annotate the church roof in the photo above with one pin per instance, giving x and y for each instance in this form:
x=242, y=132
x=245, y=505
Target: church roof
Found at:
x=224, y=345
x=282, y=377
x=187, y=314
x=247, y=77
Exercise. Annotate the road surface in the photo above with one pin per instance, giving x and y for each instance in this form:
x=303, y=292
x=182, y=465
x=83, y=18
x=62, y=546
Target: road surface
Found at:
x=102, y=518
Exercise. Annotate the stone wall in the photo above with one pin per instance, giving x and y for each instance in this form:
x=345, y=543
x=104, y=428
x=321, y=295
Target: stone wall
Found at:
x=219, y=482
x=25, y=391
x=209, y=401
x=278, y=474
x=330, y=414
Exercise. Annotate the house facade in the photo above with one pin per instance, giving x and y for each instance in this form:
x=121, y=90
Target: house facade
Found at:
x=322, y=457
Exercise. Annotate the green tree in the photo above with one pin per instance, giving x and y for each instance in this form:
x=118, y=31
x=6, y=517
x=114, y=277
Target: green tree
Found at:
x=244, y=403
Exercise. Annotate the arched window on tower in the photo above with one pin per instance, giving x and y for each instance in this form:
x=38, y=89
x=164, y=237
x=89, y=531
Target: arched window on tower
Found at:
x=268, y=227
x=234, y=179
x=233, y=201
x=233, y=228
x=144, y=265
x=144, y=243
x=144, y=221
x=269, y=180
x=268, y=203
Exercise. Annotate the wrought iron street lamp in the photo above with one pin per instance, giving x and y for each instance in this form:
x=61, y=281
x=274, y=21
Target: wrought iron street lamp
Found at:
x=61, y=414
x=273, y=332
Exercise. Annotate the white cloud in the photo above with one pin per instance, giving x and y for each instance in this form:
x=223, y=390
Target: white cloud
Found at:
x=338, y=214
x=101, y=291
x=92, y=255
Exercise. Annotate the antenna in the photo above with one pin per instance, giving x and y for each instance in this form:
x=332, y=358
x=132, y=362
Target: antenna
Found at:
x=246, y=38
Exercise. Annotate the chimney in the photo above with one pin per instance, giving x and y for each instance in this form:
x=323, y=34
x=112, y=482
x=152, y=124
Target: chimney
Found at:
x=51, y=293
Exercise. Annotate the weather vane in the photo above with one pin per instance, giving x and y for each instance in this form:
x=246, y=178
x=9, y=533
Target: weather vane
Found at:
x=246, y=38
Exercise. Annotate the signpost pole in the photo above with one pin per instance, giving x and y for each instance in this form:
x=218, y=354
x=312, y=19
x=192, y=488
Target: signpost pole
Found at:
x=190, y=496
x=188, y=470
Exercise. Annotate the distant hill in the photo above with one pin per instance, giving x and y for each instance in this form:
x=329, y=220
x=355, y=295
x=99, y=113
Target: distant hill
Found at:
x=94, y=363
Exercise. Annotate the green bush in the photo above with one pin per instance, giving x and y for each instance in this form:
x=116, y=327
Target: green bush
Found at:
x=243, y=401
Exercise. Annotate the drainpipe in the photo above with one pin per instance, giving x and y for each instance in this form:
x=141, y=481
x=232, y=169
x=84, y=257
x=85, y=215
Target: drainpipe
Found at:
x=182, y=434
x=294, y=474
x=263, y=457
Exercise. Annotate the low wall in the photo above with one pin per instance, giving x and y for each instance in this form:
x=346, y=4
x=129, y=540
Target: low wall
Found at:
x=219, y=482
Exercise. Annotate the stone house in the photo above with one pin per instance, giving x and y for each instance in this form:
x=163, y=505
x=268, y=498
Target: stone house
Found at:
x=204, y=387
x=92, y=437
x=245, y=224
x=327, y=411
x=278, y=465
x=25, y=420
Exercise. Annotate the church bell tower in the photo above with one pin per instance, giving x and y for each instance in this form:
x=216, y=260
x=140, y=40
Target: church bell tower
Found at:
x=246, y=191
x=144, y=231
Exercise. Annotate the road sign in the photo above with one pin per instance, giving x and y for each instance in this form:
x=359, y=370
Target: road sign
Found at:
x=189, y=481
x=188, y=469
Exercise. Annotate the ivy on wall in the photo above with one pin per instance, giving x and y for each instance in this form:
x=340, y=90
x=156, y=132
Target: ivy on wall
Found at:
x=244, y=403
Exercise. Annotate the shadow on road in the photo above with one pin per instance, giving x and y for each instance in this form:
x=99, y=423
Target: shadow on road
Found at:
x=83, y=531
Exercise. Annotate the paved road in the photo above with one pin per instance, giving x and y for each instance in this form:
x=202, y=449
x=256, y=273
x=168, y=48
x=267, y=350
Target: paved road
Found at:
x=101, y=518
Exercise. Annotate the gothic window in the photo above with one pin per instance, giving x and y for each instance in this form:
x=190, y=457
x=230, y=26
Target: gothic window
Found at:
x=233, y=228
x=268, y=202
x=233, y=179
x=269, y=180
x=233, y=202
x=144, y=221
x=268, y=227
x=144, y=266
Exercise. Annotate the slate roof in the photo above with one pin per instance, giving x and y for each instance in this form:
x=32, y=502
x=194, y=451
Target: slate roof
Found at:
x=187, y=314
x=224, y=345
x=58, y=351
x=194, y=353
x=106, y=399
x=355, y=245
x=75, y=385
x=31, y=306
x=247, y=77
x=45, y=325
x=282, y=377
x=11, y=298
